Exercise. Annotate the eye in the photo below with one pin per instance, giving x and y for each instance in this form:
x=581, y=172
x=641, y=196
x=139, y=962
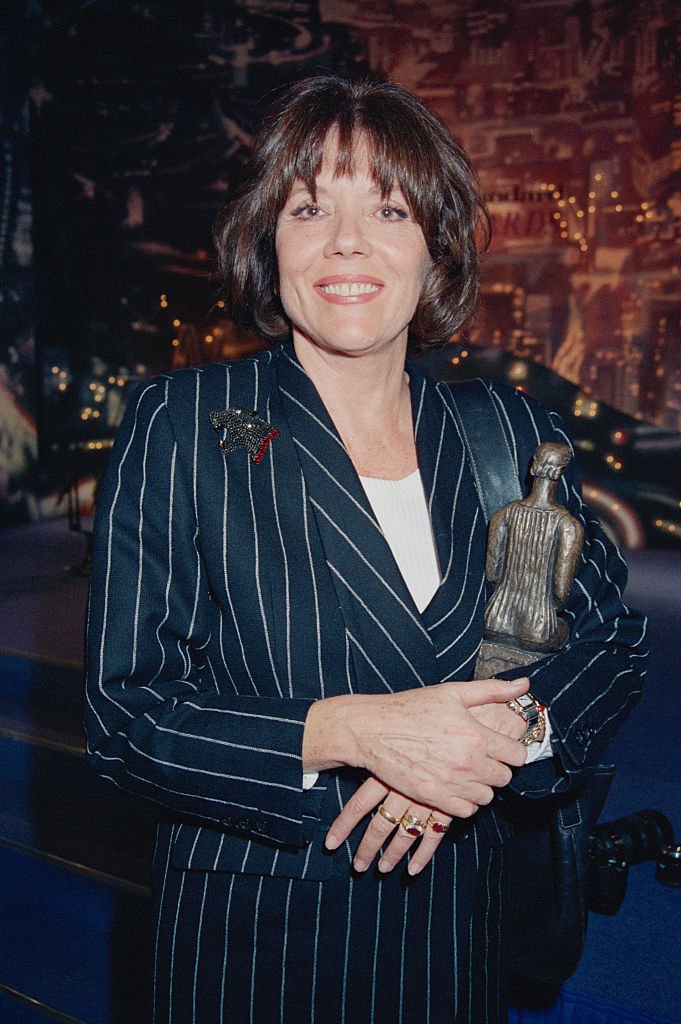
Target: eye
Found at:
x=306, y=211
x=390, y=212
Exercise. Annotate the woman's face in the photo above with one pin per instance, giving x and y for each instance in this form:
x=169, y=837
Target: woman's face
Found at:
x=351, y=265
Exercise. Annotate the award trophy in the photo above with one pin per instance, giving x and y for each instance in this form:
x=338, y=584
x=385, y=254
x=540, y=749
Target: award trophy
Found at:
x=532, y=551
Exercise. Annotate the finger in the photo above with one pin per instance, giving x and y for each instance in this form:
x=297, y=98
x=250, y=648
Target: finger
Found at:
x=410, y=830
x=436, y=829
x=361, y=803
x=506, y=749
x=491, y=691
x=500, y=718
x=476, y=793
x=467, y=799
x=382, y=825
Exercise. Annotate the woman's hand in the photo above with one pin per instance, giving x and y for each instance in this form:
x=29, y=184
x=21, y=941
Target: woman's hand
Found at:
x=426, y=743
x=392, y=809
x=393, y=806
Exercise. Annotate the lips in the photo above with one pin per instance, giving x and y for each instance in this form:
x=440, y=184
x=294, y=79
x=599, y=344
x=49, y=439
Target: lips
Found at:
x=348, y=289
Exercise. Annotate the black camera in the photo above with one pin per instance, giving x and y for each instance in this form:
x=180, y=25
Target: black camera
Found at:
x=614, y=845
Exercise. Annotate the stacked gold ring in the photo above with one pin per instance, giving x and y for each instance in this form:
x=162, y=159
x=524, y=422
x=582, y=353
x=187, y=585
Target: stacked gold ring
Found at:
x=388, y=816
x=413, y=826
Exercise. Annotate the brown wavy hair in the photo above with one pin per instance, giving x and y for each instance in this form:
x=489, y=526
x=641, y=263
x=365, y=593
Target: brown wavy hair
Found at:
x=407, y=144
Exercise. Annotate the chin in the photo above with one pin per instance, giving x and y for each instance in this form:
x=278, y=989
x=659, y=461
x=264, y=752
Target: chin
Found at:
x=352, y=344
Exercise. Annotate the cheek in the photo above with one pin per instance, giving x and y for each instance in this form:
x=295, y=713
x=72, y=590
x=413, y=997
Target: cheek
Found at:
x=288, y=290
x=290, y=261
x=422, y=269
x=283, y=273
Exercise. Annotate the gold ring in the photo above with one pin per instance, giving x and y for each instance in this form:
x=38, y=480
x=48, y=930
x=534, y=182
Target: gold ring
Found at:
x=388, y=816
x=439, y=827
x=413, y=826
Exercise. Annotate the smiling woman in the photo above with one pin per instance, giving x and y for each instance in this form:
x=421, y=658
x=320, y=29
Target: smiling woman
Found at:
x=285, y=617
x=352, y=263
x=402, y=148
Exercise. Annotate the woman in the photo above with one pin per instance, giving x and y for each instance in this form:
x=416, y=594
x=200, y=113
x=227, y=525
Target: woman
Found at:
x=289, y=679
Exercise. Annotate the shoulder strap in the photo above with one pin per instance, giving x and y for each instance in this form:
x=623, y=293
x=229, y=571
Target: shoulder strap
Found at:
x=494, y=469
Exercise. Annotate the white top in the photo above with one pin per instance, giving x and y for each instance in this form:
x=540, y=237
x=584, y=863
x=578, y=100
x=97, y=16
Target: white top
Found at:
x=402, y=512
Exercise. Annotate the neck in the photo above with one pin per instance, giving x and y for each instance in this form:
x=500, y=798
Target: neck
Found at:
x=544, y=492
x=367, y=396
x=361, y=387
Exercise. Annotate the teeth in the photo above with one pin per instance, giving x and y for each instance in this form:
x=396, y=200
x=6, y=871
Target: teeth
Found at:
x=356, y=288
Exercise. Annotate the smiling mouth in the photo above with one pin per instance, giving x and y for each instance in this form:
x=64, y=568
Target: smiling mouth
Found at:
x=348, y=289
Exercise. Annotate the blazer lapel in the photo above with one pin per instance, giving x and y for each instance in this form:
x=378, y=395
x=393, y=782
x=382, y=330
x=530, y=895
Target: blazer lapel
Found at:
x=454, y=616
x=389, y=644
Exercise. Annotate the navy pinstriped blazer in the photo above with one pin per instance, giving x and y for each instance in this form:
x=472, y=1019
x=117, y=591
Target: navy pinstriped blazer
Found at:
x=227, y=596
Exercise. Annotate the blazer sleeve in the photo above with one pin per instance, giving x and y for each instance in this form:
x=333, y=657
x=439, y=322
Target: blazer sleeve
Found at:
x=158, y=722
x=591, y=685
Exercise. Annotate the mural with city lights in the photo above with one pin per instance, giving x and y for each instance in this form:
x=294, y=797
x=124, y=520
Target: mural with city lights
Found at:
x=140, y=112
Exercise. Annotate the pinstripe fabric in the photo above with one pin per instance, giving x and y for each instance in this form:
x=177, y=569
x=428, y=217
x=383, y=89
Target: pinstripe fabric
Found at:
x=226, y=597
x=358, y=950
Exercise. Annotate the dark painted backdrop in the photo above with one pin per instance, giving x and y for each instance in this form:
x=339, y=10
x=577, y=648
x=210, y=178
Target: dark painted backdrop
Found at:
x=130, y=118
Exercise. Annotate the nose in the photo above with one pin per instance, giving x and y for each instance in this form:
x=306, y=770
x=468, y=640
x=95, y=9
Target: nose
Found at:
x=347, y=234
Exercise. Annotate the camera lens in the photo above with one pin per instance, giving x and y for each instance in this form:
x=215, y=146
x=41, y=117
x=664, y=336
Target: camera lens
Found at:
x=614, y=845
x=638, y=837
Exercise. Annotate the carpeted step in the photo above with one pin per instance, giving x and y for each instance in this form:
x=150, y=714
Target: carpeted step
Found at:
x=16, y=1008
x=75, y=942
x=41, y=699
x=51, y=802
